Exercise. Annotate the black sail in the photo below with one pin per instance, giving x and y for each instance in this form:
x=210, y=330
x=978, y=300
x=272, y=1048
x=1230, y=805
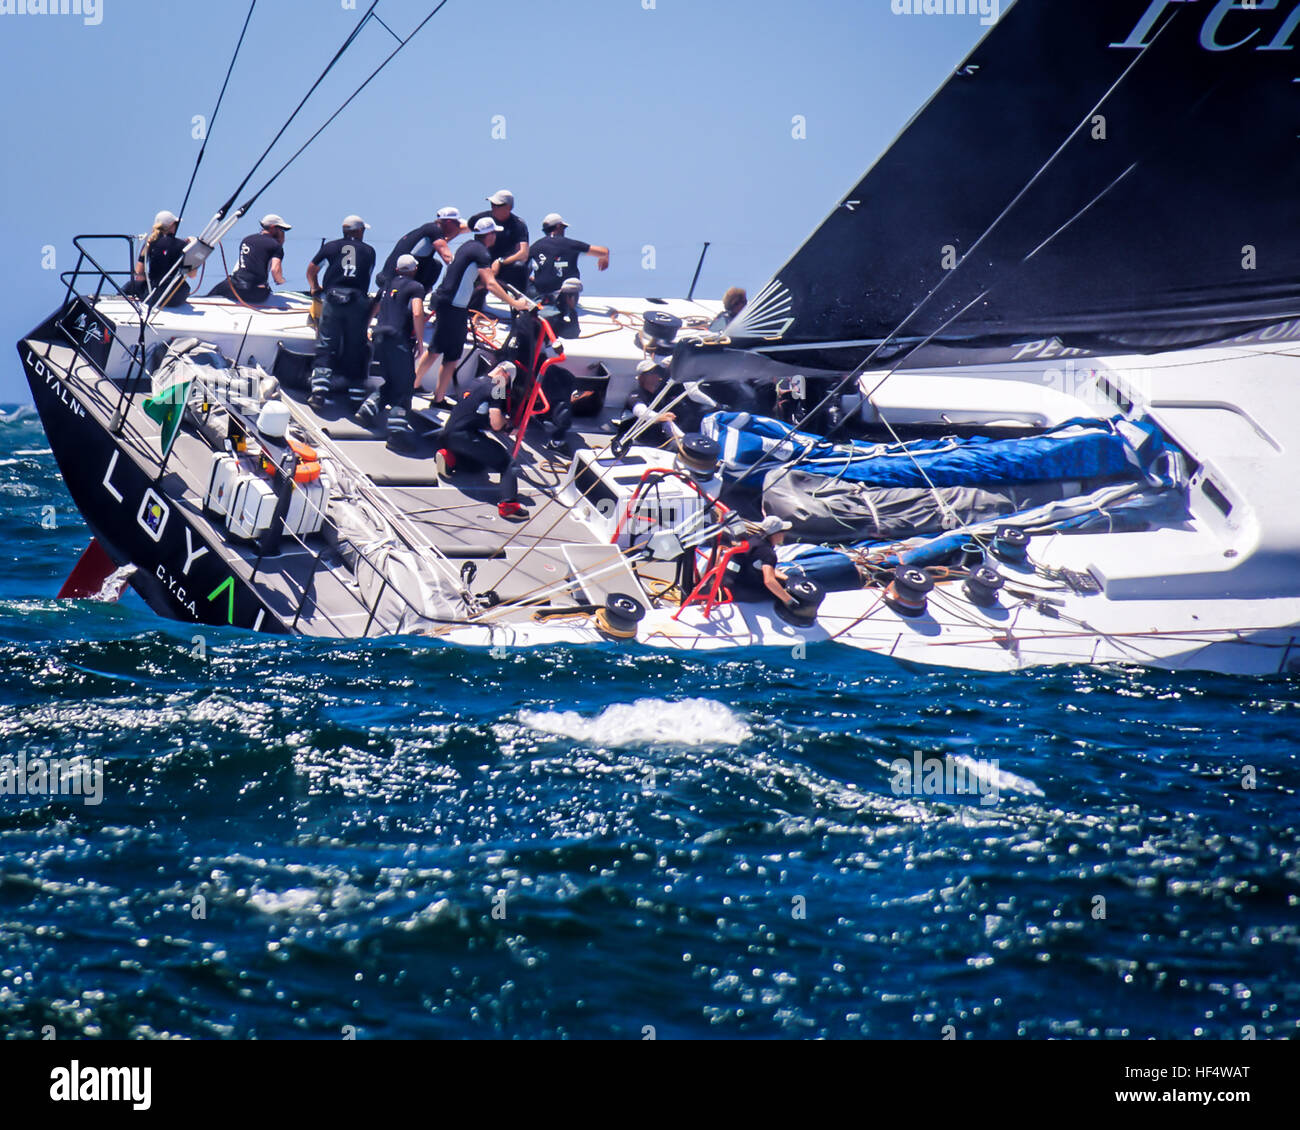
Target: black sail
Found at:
x=1119, y=174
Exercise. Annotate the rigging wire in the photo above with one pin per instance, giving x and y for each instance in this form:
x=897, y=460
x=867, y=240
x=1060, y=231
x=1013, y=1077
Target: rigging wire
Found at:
x=220, y=98
x=866, y=362
x=347, y=43
x=352, y=97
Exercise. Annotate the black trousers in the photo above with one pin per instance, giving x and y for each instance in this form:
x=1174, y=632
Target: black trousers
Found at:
x=254, y=296
x=478, y=451
x=180, y=297
x=558, y=383
x=341, y=335
x=137, y=289
x=397, y=362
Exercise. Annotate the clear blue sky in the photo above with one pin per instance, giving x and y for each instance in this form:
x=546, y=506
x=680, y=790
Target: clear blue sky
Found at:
x=666, y=125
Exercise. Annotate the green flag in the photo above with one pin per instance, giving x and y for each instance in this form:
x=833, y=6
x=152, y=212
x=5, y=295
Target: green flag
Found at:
x=167, y=407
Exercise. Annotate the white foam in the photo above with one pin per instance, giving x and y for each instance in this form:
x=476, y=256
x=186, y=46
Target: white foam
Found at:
x=293, y=901
x=649, y=721
x=996, y=776
x=111, y=590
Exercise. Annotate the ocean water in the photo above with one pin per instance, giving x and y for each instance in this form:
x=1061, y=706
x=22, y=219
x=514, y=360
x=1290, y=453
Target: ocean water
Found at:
x=390, y=839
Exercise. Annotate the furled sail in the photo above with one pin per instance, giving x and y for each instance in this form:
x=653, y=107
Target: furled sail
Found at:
x=1119, y=174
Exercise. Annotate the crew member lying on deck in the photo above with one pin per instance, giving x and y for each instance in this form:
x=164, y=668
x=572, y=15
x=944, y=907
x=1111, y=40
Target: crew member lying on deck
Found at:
x=475, y=437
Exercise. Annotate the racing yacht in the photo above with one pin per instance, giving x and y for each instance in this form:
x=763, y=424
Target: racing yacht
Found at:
x=1027, y=396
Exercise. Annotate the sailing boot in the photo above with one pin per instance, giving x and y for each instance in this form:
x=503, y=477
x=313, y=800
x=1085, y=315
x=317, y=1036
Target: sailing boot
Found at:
x=368, y=412
x=322, y=384
x=400, y=431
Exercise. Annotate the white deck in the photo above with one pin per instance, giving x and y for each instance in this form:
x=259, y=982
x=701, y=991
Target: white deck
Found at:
x=1218, y=591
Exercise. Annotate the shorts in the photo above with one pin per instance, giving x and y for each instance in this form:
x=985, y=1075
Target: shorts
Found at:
x=450, y=330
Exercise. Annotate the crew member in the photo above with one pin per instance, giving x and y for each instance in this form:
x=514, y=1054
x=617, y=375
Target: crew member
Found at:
x=733, y=305
x=554, y=258
x=398, y=335
x=650, y=379
x=475, y=437
x=755, y=573
x=471, y=267
x=345, y=309
x=258, y=255
x=562, y=312
x=430, y=244
x=162, y=250
x=510, y=253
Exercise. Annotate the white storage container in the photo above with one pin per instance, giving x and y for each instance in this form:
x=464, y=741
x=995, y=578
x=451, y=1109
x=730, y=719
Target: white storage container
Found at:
x=307, y=505
x=251, y=507
x=221, y=484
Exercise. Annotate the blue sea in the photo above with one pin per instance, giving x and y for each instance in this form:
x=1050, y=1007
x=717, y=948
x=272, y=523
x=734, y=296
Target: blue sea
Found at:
x=393, y=839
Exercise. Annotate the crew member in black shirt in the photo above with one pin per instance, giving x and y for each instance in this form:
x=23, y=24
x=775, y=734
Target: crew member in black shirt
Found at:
x=429, y=243
x=471, y=268
x=554, y=258
x=475, y=437
x=755, y=573
x=160, y=253
x=650, y=378
x=562, y=312
x=258, y=255
x=510, y=254
x=345, y=309
x=397, y=335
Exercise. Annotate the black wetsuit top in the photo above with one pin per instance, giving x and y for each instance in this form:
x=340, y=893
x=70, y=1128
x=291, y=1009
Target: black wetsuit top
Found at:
x=508, y=242
x=554, y=259
x=255, y=255
x=161, y=256
x=748, y=582
x=471, y=413
x=395, y=307
x=351, y=263
x=418, y=243
x=459, y=282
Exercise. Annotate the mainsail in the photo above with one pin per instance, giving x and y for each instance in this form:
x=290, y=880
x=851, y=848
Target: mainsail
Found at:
x=1113, y=173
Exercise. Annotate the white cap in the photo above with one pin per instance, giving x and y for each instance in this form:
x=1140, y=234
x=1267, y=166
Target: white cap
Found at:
x=505, y=369
x=273, y=422
x=448, y=213
x=407, y=265
x=772, y=525
x=354, y=222
x=571, y=286
x=487, y=224
x=554, y=220
x=648, y=366
x=274, y=221
x=502, y=196
x=165, y=219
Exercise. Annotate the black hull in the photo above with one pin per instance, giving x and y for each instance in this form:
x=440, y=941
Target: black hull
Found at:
x=181, y=571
